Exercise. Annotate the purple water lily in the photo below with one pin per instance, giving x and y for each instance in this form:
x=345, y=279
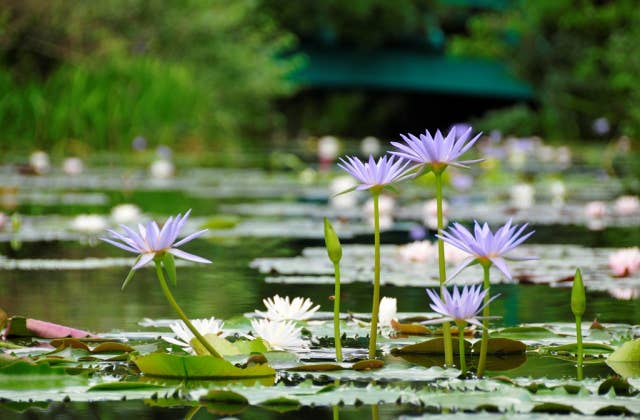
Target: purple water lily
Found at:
x=436, y=152
x=485, y=246
x=387, y=170
x=152, y=241
x=459, y=307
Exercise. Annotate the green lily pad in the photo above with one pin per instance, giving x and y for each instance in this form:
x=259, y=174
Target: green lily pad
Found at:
x=197, y=367
x=368, y=364
x=224, y=402
x=123, y=386
x=625, y=369
x=628, y=352
x=434, y=346
x=499, y=346
x=226, y=348
x=595, y=349
x=524, y=333
x=317, y=367
x=281, y=404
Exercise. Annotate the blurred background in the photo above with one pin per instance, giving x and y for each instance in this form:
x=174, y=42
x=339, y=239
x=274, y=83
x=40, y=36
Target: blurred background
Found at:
x=224, y=77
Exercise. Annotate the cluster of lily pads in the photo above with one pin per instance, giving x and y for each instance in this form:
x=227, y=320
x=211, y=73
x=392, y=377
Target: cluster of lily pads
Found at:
x=269, y=344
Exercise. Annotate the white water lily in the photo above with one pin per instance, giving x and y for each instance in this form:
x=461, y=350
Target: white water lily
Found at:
x=627, y=205
x=73, y=166
x=283, y=308
x=625, y=262
x=162, y=169
x=453, y=255
x=184, y=335
x=418, y=251
x=89, y=223
x=123, y=214
x=388, y=311
x=280, y=335
x=430, y=213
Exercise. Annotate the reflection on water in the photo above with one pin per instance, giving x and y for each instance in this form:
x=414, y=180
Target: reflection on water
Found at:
x=91, y=299
x=143, y=410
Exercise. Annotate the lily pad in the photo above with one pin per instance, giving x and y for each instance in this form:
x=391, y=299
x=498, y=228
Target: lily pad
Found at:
x=197, y=367
x=628, y=352
x=434, y=346
x=499, y=346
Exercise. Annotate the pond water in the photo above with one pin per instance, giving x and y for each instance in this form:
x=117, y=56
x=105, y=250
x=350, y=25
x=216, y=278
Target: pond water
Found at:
x=91, y=299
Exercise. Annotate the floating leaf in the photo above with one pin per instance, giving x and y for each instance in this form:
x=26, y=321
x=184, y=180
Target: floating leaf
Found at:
x=412, y=329
x=123, y=386
x=524, y=333
x=595, y=349
x=226, y=348
x=224, y=402
x=27, y=327
x=554, y=408
x=316, y=367
x=434, y=346
x=498, y=346
x=281, y=404
x=197, y=367
x=628, y=352
x=368, y=364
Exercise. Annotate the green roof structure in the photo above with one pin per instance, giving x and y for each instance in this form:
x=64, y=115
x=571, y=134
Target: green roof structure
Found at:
x=401, y=69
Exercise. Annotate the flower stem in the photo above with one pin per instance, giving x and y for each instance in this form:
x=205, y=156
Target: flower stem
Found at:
x=461, y=349
x=446, y=331
x=376, y=277
x=579, y=339
x=336, y=312
x=485, y=322
x=180, y=312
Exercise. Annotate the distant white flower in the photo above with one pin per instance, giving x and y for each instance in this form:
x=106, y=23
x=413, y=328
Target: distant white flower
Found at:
x=280, y=335
x=39, y=161
x=625, y=262
x=89, y=223
x=184, y=334
x=283, y=308
x=522, y=196
x=388, y=311
x=595, y=209
x=162, y=169
x=418, y=251
x=370, y=146
x=430, y=213
x=73, y=166
x=627, y=205
x=563, y=155
x=558, y=193
x=328, y=148
x=386, y=207
x=342, y=201
x=123, y=214
x=453, y=255
x=627, y=293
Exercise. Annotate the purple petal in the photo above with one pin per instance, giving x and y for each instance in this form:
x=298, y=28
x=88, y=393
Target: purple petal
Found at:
x=144, y=260
x=120, y=245
x=186, y=256
x=190, y=238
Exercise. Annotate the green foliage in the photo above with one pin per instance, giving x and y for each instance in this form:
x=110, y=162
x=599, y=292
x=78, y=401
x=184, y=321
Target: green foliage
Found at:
x=519, y=120
x=350, y=22
x=582, y=59
x=181, y=72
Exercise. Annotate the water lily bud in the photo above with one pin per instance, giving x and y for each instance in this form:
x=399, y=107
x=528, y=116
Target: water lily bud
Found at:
x=334, y=249
x=578, y=298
